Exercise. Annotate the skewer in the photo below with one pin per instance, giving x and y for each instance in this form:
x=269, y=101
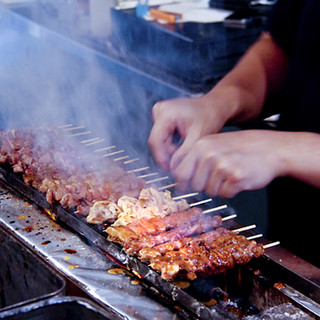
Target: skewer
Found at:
x=272, y=244
x=216, y=209
x=112, y=153
x=132, y=160
x=167, y=187
x=65, y=126
x=158, y=179
x=105, y=149
x=138, y=170
x=80, y=134
x=95, y=142
x=229, y=217
x=255, y=236
x=90, y=140
x=185, y=196
x=148, y=175
x=245, y=228
x=74, y=128
x=121, y=158
x=200, y=202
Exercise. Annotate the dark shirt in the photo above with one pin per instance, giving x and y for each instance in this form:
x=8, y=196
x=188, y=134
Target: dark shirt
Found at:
x=294, y=206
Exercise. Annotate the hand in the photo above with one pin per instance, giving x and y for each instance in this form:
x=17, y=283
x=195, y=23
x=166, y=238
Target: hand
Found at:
x=192, y=118
x=227, y=163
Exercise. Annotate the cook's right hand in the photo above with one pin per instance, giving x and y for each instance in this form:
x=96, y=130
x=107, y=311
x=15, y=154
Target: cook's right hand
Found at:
x=192, y=118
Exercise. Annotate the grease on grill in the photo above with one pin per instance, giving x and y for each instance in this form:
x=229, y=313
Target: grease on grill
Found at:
x=181, y=284
x=71, y=251
x=116, y=271
x=279, y=285
x=28, y=229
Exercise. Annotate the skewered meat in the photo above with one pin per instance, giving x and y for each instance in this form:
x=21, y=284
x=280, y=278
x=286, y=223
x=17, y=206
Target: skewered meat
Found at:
x=161, y=249
x=184, y=230
x=151, y=203
x=197, y=259
x=65, y=172
x=175, y=239
x=145, y=226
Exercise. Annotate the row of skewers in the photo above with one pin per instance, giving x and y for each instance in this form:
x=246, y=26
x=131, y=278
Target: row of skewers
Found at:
x=174, y=237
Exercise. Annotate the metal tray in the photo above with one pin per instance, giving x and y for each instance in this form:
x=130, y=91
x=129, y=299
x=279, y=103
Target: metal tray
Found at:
x=24, y=278
x=62, y=308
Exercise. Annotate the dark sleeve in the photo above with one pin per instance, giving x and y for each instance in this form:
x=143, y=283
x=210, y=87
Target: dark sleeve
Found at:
x=283, y=23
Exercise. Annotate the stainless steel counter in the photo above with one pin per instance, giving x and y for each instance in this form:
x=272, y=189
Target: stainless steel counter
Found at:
x=66, y=251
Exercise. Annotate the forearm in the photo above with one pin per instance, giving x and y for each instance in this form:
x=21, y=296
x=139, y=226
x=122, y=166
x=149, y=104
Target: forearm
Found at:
x=261, y=71
x=300, y=156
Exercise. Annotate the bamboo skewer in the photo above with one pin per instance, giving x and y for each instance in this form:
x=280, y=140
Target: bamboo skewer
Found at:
x=70, y=128
x=112, y=153
x=148, y=175
x=94, y=142
x=105, y=149
x=245, y=228
x=200, y=202
x=89, y=140
x=121, y=158
x=80, y=134
x=167, y=187
x=158, y=179
x=185, y=196
x=138, y=170
x=130, y=161
x=65, y=126
x=272, y=244
x=215, y=209
x=255, y=236
x=229, y=217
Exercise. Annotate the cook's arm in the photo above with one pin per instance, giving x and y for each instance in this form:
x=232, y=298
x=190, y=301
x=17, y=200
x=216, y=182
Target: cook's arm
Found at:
x=239, y=96
x=261, y=71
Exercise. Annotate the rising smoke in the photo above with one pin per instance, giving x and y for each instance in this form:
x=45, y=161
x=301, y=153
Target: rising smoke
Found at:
x=46, y=78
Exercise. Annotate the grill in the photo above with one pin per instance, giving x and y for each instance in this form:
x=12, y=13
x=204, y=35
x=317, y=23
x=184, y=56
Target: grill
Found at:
x=238, y=293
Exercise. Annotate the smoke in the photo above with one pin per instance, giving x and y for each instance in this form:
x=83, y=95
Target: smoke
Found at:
x=48, y=79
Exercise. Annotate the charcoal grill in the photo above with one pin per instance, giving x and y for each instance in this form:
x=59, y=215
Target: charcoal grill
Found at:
x=264, y=282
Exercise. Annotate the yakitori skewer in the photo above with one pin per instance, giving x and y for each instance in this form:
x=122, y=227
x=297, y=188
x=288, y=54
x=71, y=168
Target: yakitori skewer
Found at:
x=215, y=208
x=172, y=185
x=157, y=180
x=138, y=169
x=112, y=153
x=232, y=216
x=71, y=128
x=148, y=175
x=132, y=160
x=252, y=226
x=256, y=236
x=121, y=158
x=105, y=149
x=185, y=196
x=272, y=244
x=78, y=134
x=88, y=144
x=200, y=202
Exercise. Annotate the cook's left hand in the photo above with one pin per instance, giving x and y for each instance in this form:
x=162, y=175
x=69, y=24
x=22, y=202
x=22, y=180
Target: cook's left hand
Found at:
x=225, y=164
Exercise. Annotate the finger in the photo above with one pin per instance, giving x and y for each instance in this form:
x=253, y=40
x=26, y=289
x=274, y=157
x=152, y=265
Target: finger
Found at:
x=184, y=171
x=160, y=143
x=187, y=146
x=201, y=176
x=228, y=189
x=214, y=183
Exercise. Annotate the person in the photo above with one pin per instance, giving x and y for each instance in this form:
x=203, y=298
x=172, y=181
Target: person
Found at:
x=278, y=74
